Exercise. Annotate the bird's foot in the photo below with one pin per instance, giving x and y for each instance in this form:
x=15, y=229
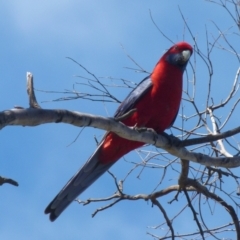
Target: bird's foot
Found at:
x=140, y=129
x=145, y=129
x=172, y=140
x=126, y=115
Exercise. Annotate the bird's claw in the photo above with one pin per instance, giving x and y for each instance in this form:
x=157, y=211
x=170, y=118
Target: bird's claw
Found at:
x=145, y=129
x=140, y=129
x=172, y=140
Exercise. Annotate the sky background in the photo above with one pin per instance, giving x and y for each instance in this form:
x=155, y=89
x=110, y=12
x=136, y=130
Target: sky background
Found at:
x=37, y=36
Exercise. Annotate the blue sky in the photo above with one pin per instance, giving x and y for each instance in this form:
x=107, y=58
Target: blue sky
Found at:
x=37, y=36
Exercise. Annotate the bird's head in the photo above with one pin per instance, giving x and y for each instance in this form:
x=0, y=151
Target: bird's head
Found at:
x=178, y=55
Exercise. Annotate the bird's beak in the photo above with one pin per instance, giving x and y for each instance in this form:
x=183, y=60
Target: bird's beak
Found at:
x=186, y=54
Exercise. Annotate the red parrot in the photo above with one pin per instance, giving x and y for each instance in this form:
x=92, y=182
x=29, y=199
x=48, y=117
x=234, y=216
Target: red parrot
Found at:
x=156, y=100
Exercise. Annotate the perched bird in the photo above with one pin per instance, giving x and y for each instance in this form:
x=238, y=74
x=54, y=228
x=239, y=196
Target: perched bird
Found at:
x=156, y=100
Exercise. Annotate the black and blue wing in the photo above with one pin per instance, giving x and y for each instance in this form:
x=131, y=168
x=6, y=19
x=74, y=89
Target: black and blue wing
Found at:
x=134, y=96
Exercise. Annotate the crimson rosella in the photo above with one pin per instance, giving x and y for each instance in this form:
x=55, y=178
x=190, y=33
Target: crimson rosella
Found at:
x=156, y=100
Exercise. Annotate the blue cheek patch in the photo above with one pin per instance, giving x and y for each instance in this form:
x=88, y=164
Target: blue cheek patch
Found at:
x=175, y=59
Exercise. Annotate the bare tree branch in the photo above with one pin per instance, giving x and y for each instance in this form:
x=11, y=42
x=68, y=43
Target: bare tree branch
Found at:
x=34, y=117
x=4, y=180
x=30, y=90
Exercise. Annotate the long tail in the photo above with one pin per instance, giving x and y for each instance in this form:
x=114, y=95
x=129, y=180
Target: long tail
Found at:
x=90, y=172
